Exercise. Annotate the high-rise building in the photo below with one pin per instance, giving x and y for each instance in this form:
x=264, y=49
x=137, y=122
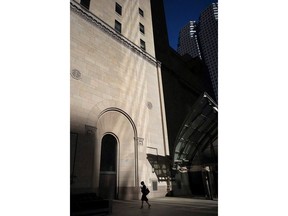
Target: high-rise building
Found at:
x=116, y=99
x=200, y=39
x=208, y=41
x=188, y=41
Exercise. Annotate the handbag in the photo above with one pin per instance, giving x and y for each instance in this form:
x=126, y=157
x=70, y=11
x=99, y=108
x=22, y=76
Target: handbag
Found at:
x=147, y=191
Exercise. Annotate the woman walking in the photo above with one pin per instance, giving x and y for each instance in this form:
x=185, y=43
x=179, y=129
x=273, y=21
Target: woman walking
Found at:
x=144, y=195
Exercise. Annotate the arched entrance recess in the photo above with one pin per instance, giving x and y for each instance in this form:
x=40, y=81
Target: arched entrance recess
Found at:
x=122, y=130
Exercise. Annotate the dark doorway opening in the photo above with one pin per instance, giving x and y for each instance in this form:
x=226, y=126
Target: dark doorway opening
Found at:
x=196, y=183
x=108, y=167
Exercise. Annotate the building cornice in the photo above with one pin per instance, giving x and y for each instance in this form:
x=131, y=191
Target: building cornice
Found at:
x=96, y=21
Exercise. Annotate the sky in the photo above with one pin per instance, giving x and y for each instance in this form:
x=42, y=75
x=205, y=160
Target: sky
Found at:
x=179, y=12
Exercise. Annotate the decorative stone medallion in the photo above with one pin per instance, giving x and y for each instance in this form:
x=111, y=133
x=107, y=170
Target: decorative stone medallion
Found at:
x=149, y=105
x=76, y=74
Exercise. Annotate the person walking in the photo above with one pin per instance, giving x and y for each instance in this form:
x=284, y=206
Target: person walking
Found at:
x=144, y=195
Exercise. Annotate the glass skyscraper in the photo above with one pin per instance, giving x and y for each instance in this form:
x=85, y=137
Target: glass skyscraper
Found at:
x=188, y=42
x=200, y=39
x=208, y=41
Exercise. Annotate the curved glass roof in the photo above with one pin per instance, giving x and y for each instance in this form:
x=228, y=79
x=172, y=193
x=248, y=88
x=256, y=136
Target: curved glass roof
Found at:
x=198, y=132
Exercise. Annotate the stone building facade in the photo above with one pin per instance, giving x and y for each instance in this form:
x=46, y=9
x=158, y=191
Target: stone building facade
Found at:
x=116, y=99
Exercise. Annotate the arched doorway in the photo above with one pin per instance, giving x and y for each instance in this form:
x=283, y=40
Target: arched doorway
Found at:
x=116, y=122
x=108, y=167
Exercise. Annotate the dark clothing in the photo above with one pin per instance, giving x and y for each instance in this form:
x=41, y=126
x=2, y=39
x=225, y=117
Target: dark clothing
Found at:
x=144, y=198
x=143, y=191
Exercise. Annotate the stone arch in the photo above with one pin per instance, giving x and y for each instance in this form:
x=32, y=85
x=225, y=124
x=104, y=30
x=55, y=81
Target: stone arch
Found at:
x=123, y=113
x=104, y=106
x=116, y=121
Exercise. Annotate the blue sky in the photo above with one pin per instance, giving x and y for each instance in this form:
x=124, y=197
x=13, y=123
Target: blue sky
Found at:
x=179, y=13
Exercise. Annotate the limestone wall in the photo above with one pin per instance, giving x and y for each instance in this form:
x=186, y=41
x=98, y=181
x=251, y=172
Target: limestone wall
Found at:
x=114, y=88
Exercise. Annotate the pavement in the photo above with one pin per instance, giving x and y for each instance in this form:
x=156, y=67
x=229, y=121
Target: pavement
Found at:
x=166, y=206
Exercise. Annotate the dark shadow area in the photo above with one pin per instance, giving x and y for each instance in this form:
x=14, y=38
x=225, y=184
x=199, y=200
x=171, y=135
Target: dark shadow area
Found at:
x=83, y=200
x=196, y=183
x=184, y=78
x=89, y=204
x=108, y=171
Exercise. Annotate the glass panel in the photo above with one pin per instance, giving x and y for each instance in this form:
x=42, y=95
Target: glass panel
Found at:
x=154, y=185
x=85, y=3
x=141, y=12
x=118, y=9
x=142, y=28
x=142, y=44
x=117, y=26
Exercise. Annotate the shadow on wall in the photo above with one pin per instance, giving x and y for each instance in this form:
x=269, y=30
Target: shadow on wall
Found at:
x=81, y=170
x=83, y=201
x=81, y=161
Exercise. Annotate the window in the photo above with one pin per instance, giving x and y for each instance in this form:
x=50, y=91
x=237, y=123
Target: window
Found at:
x=85, y=3
x=118, y=8
x=142, y=44
x=142, y=28
x=117, y=26
x=141, y=12
x=154, y=185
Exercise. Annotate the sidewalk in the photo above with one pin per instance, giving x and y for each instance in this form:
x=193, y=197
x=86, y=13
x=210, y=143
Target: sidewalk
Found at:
x=166, y=206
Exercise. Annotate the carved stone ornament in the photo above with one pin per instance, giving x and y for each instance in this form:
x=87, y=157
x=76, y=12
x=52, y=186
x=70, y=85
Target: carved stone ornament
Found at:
x=76, y=74
x=149, y=105
x=140, y=140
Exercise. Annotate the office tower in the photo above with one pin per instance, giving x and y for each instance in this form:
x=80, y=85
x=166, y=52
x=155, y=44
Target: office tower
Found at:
x=116, y=99
x=208, y=41
x=188, y=41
